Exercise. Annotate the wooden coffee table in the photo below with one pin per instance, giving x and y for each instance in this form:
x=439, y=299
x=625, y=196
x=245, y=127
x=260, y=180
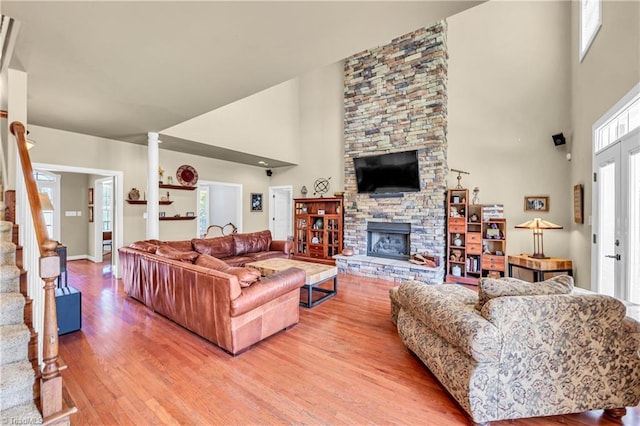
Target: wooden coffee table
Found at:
x=316, y=275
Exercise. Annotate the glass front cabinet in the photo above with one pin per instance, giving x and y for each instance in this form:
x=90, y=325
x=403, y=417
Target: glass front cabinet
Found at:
x=317, y=229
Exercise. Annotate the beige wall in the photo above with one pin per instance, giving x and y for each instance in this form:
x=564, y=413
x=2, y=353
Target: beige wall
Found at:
x=509, y=91
x=54, y=147
x=74, y=230
x=264, y=124
x=609, y=70
x=320, y=132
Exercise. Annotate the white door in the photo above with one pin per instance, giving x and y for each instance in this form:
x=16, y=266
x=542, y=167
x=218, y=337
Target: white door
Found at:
x=616, y=225
x=280, y=211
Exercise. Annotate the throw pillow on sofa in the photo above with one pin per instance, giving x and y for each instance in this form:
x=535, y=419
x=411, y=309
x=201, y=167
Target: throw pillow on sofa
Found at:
x=175, y=254
x=490, y=288
x=246, y=276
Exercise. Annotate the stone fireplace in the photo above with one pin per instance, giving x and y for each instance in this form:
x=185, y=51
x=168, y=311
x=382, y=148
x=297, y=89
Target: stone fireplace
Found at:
x=389, y=240
x=395, y=100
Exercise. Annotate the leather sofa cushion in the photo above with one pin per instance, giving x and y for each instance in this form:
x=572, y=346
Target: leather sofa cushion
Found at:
x=251, y=243
x=169, y=252
x=145, y=246
x=217, y=247
x=490, y=288
x=238, y=260
x=246, y=276
x=211, y=262
x=184, y=245
x=263, y=255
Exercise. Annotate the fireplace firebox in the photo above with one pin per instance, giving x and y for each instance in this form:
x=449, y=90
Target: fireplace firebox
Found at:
x=389, y=239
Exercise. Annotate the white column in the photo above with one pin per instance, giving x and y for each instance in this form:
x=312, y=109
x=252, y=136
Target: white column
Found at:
x=153, y=208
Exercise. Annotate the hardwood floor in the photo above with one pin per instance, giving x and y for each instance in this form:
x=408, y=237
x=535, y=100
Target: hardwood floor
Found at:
x=342, y=364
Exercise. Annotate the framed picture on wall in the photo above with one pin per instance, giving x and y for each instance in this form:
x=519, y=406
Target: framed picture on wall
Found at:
x=256, y=202
x=578, y=203
x=90, y=215
x=90, y=196
x=536, y=203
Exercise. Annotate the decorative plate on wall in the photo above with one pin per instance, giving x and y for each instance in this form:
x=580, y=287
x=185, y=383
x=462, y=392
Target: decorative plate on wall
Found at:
x=187, y=175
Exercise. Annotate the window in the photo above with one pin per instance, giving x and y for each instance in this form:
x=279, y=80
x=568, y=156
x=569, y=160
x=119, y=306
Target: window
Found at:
x=624, y=121
x=48, y=183
x=203, y=209
x=590, y=23
x=106, y=206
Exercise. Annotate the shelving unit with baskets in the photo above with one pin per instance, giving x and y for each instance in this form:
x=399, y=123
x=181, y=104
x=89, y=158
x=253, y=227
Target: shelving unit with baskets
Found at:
x=317, y=229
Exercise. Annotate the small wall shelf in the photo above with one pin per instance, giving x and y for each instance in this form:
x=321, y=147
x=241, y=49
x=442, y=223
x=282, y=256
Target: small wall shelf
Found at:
x=162, y=203
x=182, y=187
x=177, y=218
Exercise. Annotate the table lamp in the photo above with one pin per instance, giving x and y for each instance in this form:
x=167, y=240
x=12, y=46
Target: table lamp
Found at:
x=538, y=226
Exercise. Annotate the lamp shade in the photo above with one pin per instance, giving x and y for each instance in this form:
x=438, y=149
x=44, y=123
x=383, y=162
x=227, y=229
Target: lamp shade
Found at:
x=538, y=226
x=538, y=223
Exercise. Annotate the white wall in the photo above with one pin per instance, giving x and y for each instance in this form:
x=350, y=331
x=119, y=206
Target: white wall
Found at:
x=509, y=91
x=609, y=70
x=264, y=124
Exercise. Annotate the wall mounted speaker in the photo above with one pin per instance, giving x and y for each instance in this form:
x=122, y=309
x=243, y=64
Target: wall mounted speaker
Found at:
x=269, y=172
x=559, y=139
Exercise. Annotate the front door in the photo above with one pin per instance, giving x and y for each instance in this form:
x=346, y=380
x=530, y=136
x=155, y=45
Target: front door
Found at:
x=616, y=226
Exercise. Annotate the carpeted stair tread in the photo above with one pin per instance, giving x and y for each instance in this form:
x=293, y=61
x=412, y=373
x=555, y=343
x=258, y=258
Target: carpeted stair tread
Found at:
x=23, y=414
x=7, y=253
x=9, y=279
x=16, y=384
x=14, y=343
x=11, y=308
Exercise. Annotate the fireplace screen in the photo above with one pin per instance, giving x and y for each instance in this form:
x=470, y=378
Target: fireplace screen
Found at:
x=391, y=240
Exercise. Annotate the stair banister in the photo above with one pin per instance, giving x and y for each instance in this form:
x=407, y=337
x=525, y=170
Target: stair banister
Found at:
x=51, y=381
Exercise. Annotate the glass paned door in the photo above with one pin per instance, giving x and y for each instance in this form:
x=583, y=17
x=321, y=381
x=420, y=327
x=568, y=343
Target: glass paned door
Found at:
x=634, y=227
x=606, y=221
x=617, y=219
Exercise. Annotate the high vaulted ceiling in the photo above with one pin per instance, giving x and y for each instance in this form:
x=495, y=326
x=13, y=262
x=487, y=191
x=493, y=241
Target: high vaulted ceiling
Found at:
x=121, y=69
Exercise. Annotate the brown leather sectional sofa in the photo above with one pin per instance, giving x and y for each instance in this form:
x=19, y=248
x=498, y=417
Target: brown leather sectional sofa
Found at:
x=209, y=302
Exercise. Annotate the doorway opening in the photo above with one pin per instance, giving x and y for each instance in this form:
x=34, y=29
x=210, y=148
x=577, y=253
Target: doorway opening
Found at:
x=281, y=212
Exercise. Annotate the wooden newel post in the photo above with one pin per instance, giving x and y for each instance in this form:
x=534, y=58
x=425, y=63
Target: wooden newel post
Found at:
x=51, y=386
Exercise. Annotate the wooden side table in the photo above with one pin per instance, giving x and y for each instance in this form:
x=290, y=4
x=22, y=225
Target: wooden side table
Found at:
x=539, y=266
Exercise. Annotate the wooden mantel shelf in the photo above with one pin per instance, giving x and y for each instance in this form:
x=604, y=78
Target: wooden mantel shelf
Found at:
x=177, y=218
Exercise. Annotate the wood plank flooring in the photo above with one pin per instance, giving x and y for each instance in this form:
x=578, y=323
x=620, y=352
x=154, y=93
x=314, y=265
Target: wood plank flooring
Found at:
x=342, y=364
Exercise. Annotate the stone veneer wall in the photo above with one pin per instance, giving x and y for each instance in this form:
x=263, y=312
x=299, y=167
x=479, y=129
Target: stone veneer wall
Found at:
x=395, y=99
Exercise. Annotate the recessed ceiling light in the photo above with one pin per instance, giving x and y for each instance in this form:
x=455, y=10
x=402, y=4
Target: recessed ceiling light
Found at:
x=263, y=163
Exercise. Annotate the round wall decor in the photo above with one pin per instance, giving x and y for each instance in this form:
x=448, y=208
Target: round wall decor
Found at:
x=187, y=175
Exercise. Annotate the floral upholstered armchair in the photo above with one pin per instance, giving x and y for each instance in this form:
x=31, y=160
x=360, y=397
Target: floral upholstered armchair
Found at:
x=517, y=349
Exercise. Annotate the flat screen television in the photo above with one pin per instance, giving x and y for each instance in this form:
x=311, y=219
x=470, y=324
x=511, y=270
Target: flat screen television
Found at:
x=386, y=173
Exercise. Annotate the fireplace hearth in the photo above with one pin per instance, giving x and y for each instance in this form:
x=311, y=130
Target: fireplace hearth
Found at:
x=389, y=240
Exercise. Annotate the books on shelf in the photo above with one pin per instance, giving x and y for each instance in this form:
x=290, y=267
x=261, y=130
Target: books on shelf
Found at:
x=493, y=211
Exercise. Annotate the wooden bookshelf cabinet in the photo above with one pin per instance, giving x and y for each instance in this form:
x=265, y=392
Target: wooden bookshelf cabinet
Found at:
x=318, y=229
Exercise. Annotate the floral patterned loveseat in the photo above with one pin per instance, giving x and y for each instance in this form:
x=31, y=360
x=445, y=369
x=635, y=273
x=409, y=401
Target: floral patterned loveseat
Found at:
x=517, y=349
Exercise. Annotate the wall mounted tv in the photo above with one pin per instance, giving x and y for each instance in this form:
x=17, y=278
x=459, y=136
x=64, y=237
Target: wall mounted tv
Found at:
x=388, y=173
